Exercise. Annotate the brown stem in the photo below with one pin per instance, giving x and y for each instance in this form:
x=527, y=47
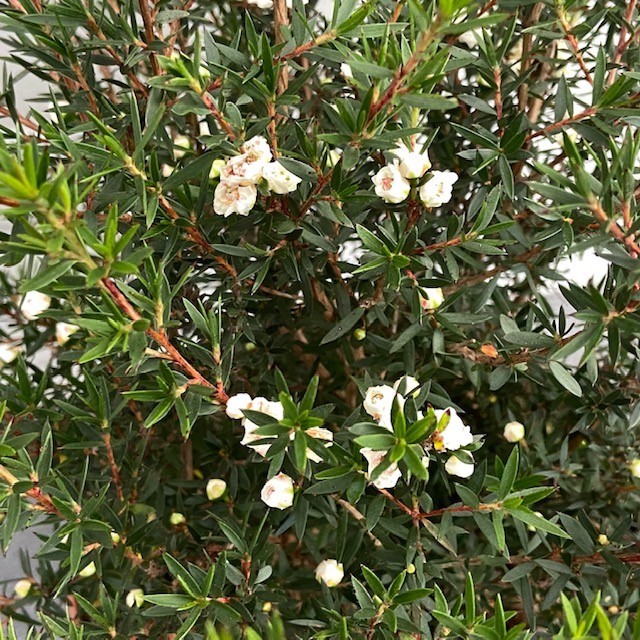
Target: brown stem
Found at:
x=149, y=34
x=161, y=338
x=115, y=472
x=403, y=73
x=587, y=113
x=612, y=227
x=622, y=43
x=573, y=43
x=210, y=104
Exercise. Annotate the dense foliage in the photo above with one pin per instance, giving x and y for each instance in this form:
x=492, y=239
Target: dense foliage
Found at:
x=290, y=349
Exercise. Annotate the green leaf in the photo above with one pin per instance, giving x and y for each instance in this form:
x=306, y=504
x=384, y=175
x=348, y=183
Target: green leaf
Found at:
x=509, y=474
x=538, y=522
x=563, y=376
x=344, y=326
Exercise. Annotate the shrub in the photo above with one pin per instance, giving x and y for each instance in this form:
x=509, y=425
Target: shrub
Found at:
x=291, y=349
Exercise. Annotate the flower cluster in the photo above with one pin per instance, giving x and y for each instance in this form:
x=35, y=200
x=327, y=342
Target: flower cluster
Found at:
x=451, y=433
x=237, y=190
x=392, y=182
x=237, y=404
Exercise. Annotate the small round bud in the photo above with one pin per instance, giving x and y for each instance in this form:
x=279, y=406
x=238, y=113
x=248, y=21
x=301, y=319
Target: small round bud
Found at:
x=603, y=540
x=330, y=572
x=22, y=588
x=177, y=519
x=250, y=346
x=217, y=166
x=135, y=598
x=115, y=537
x=613, y=610
x=359, y=334
x=513, y=431
x=216, y=488
x=634, y=467
x=266, y=607
x=411, y=569
x=88, y=571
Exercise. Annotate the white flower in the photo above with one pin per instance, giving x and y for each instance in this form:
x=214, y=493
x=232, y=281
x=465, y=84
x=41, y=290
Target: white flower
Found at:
x=9, y=352
x=455, y=467
x=244, y=170
x=278, y=492
x=438, y=189
x=280, y=180
x=166, y=170
x=513, y=431
x=634, y=467
x=181, y=144
x=64, y=331
x=33, y=304
x=378, y=402
x=216, y=168
x=346, y=71
x=410, y=386
x=389, y=477
x=319, y=433
x=330, y=572
x=22, y=588
x=135, y=598
x=413, y=164
x=236, y=404
x=216, y=488
x=273, y=409
x=390, y=184
x=88, y=571
x=234, y=198
x=435, y=297
x=177, y=518
x=257, y=149
x=455, y=435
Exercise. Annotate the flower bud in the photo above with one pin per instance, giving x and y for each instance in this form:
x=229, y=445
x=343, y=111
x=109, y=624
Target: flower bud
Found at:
x=634, y=467
x=603, y=540
x=435, y=297
x=359, y=334
x=278, y=492
x=115, y=537
x=177, y=518
x=22, y=588
x=513, y=431
x=135, y=598
x=456, y=467
x=88, y=571
x=217, y=166
x=216, y=488
x=266, y=607
x=330, y=572
x=411, y=569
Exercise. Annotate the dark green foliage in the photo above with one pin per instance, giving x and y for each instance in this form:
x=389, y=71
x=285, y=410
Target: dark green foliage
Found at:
x=107, y=188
